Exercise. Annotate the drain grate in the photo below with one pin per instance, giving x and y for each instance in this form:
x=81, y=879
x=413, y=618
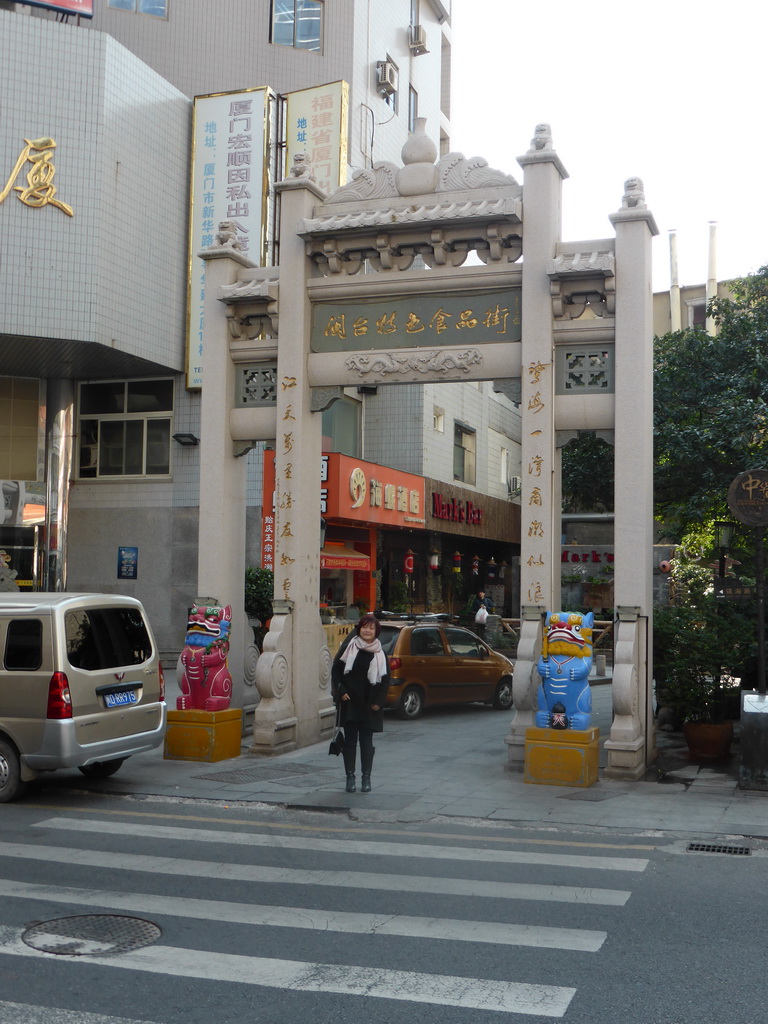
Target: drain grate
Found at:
x=91, y=935
x=741, y=851
x=261, y=773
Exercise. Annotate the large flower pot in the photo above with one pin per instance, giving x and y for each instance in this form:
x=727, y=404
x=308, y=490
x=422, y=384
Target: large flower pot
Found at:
x=710, y=741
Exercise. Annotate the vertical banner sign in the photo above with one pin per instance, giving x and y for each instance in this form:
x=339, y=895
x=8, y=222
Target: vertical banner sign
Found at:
x=230, y=182
x=268, y=512
x=316, y=125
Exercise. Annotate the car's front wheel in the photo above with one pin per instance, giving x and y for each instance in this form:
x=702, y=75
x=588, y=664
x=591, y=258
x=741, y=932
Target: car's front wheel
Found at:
x=10, y=772
x=411, y=703
x=502, y=698
x=101, y=769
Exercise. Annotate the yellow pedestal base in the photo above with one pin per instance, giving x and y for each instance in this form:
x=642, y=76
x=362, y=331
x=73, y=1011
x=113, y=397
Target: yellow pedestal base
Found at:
x=561, y=757
x=203, y=735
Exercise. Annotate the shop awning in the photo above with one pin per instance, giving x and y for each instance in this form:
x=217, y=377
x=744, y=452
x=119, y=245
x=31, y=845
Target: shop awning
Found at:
x=336, y=556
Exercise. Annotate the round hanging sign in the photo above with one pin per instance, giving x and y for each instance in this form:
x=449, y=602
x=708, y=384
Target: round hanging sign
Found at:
x=748, y=497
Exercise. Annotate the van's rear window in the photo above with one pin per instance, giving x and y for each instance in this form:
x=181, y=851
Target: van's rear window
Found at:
x=106, y=638
x=24, y=645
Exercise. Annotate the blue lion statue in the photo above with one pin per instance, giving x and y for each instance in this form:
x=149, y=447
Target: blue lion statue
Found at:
x=565, y=699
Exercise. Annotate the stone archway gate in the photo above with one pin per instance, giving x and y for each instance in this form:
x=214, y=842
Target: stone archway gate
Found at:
x=281, y=343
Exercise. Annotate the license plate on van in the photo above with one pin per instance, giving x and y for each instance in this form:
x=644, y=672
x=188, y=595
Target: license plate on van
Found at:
x=120, y=699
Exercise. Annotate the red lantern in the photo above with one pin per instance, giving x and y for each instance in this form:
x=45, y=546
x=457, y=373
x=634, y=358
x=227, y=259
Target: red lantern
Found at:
x=434, y=560
x=408, y=561
x=457, y=561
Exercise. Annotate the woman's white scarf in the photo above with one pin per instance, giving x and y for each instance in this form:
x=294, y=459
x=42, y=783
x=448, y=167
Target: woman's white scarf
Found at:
x=378, y=665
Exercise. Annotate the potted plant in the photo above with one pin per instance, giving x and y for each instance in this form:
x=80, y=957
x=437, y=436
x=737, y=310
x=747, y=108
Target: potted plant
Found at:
x=698, y=649
x=598, y=590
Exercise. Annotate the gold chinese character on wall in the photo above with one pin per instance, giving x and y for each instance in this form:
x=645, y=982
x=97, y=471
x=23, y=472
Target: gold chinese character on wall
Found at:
x=40, y=190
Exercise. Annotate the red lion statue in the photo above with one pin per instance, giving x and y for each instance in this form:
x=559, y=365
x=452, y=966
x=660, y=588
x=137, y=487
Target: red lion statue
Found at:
x=206, y=684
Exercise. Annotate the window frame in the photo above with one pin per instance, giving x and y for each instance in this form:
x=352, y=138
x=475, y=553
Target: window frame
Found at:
x=134, y=9
x=127, y=418
x=297, y=11
x=339, y=433
x=23, y=635
x=413, y=108
x=468, y=473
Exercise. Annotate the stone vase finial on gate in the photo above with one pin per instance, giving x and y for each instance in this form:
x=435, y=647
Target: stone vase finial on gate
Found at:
x=418, y=175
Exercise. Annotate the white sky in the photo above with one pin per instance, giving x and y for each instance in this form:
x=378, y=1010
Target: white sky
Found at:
x=671, y=91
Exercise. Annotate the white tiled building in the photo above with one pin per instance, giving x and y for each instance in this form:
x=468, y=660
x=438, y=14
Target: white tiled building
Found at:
x=93, y=318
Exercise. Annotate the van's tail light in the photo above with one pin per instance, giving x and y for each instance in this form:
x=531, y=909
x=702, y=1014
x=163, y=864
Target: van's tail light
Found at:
x=162, y=680
x=59, y=697
x=395, y=664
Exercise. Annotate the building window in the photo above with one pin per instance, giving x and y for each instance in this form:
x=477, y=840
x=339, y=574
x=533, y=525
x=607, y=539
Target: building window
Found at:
x=298, y=23
x=125, y=428
x=504, y=465
x=157, y=8
x=697, y=313
x=438, y=419
x=341, y=427
x=464, y=449
x=413, y=107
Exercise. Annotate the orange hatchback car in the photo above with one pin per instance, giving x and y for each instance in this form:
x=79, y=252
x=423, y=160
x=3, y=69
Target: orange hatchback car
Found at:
x=432, y=663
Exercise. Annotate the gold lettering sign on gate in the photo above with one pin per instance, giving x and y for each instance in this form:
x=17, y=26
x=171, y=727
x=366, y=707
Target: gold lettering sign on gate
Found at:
x=417, y=321
x=40, y=190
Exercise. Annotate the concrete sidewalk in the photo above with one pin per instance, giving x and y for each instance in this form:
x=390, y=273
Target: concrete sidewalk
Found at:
x=451, y=762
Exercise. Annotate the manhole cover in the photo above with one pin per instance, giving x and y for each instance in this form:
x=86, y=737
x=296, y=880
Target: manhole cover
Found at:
x=91, y=935
x=593, y=795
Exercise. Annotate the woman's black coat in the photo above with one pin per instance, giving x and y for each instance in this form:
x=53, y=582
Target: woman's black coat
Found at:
x=362, y=694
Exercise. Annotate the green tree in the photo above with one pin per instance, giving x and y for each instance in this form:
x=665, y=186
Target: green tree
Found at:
x=259, y=588
x=588, y=474
x=711, y=408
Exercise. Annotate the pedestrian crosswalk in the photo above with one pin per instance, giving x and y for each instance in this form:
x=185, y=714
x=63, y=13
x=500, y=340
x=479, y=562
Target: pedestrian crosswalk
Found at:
x=296, y=890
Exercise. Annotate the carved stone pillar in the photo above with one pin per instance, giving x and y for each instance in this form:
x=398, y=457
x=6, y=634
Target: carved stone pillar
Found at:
x=539, y=503
x=293, y=673
x=631, y=745
x=221, y=544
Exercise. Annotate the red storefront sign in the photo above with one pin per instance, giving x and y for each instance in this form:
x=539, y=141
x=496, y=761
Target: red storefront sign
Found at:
x=368, y=493
x=353, y=490
x=81, y=7
x=455, y=511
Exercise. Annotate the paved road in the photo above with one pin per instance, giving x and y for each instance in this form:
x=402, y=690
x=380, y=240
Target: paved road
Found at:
x=450, y=764
x=191, y=914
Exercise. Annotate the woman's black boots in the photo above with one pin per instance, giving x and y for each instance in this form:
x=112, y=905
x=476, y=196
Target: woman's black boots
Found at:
x=349, y=767
x=366, y=762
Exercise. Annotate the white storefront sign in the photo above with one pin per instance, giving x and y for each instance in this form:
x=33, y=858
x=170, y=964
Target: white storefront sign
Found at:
x=230, y=182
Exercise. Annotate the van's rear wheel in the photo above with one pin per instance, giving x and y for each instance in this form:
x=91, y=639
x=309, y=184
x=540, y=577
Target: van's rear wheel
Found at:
x=10, y=773
x=101, y=769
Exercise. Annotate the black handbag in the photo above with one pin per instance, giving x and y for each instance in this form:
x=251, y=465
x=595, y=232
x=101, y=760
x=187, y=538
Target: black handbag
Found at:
x=338, y=740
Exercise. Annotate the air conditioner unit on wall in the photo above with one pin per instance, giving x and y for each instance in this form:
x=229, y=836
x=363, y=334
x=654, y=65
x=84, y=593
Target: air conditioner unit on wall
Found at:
x=417, y=40
x=387, y=77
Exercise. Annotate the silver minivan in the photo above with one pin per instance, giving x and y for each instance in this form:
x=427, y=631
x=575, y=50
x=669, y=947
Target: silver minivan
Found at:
x=81, y=685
